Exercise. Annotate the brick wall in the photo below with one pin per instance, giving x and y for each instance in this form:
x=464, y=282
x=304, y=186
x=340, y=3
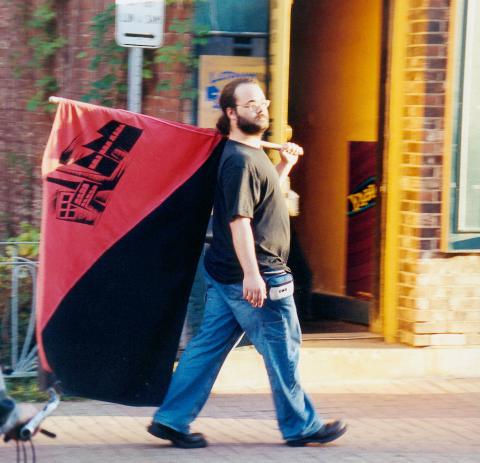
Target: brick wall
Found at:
x=23, y=134
x=439, y=301
x=168, y=104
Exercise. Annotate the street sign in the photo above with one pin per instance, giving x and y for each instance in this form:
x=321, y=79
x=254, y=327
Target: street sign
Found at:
x=140, y=23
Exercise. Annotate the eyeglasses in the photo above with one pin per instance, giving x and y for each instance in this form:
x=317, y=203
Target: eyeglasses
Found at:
x=255, y=106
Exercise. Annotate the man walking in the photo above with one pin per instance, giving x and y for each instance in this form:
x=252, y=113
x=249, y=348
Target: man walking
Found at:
x=249, y=286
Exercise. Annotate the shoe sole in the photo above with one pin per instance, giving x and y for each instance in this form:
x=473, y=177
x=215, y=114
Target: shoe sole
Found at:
x=175, y=442
x=324, y=440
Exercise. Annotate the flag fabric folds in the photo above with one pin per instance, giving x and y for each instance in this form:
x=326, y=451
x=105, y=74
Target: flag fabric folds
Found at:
x=126, y=203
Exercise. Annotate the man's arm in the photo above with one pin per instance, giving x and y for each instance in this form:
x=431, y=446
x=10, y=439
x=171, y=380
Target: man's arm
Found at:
x=289, y=154
x=254, y=289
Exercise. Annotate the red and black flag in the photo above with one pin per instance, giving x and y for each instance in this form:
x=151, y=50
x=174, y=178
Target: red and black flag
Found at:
x=126, y=203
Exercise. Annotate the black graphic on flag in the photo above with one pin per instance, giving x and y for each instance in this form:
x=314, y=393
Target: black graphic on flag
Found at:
x=90, y=176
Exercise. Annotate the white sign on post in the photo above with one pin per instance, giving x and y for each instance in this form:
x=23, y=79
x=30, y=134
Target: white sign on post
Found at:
x=140, y=23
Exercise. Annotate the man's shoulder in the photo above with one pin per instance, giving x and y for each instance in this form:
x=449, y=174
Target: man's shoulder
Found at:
x=236, y=155
x=233, y=147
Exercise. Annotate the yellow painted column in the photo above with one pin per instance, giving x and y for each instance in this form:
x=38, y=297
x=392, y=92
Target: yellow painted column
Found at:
x=391, y=181
x=280, y=18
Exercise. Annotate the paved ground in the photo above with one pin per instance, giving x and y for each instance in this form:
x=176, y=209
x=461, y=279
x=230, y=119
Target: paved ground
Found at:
x=428, y=421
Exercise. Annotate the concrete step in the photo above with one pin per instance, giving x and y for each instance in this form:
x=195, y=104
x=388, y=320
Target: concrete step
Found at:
x=348, y=357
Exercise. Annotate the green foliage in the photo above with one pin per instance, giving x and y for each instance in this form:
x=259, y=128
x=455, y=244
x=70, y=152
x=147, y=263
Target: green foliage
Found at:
x=45, y=44
x=27, y=390
x=182, y=52
x=108, y=57
x=185, y=2
x=187, y=90
x=164, y=85
x=111, y=59
x=47, y=85
x=28, y=233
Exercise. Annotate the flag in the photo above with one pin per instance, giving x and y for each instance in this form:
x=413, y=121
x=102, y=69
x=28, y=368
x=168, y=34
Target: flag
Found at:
x=126, y=203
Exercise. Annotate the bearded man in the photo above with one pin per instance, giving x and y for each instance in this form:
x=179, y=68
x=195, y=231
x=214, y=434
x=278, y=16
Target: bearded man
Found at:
x=249, y=286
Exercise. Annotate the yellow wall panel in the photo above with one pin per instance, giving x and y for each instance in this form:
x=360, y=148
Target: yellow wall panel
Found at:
x=334, y=99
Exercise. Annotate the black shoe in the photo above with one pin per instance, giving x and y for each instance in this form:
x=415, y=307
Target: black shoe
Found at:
x=193, y=440
x=327, y=433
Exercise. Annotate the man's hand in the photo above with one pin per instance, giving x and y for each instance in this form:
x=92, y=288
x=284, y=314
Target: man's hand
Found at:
x=290, y=153
x=254, y=289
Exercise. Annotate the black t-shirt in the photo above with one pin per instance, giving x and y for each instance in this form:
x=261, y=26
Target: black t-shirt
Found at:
x=248, y=186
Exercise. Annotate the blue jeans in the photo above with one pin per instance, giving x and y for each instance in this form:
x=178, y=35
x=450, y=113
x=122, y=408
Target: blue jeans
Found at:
x=275, y=332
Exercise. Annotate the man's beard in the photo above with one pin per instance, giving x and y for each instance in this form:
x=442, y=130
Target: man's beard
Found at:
x=252, y=127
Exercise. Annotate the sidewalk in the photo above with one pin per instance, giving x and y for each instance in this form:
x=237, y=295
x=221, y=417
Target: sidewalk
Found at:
x=427, y=421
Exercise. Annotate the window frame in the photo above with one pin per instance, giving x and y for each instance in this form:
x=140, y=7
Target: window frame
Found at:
x=456, y=235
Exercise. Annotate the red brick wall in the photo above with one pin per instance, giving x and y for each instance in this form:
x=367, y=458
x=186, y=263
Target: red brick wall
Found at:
x=168, y=104
x=423, y=124
x=439, y=300
x=23, y=134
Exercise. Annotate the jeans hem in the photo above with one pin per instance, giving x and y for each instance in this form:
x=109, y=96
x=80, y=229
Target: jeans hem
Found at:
x=170, y=425
x=305, y=433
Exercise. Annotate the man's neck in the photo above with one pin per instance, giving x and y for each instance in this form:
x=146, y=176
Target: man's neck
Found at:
x=241, y=137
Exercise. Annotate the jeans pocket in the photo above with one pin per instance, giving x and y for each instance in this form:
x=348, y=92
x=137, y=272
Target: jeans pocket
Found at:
x=275, y=331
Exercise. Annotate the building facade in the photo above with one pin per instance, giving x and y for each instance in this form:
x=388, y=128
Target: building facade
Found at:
x=400, y=74
x=381, y=94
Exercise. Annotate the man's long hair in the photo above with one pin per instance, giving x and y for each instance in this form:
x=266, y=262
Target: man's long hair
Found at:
x=228, y=100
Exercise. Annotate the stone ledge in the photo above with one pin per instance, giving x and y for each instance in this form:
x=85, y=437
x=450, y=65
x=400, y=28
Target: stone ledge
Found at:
x=244, y=369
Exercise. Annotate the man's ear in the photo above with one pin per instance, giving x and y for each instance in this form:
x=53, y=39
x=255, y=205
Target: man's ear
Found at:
x=231, y=114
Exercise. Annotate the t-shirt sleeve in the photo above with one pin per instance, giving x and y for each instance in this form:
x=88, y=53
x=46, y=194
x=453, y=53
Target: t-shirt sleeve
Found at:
x=241, y=191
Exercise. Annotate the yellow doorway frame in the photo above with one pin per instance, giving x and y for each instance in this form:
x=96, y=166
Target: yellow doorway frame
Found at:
x=279, y=53
x=389, y=265
x=279, y=68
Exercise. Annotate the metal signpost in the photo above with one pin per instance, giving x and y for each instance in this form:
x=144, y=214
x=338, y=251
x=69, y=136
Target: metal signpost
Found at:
x=139, y=24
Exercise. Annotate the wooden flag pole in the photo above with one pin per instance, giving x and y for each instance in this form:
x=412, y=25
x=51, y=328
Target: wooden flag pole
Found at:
x=55, y=99
x=264, y=144
x=272, y=146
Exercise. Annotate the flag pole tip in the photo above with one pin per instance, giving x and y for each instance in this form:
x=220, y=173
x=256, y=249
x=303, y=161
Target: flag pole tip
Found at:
x=55, y=99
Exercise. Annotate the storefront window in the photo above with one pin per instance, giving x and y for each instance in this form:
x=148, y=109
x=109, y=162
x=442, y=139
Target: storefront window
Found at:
x=464, y=233
x=233, y=15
